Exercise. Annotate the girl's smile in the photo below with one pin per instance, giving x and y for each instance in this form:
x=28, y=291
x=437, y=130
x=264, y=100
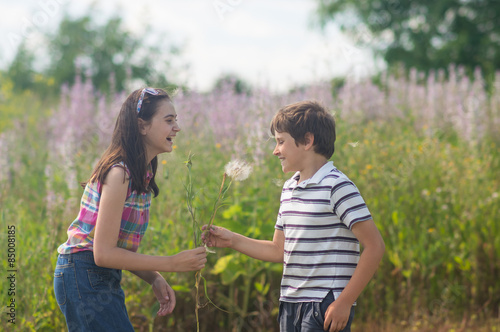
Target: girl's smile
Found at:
x=159, y=134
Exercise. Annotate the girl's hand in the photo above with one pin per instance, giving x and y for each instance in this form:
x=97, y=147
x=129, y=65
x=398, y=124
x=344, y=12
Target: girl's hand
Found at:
x=165, y=295
x=189, y=260
x=217, y=237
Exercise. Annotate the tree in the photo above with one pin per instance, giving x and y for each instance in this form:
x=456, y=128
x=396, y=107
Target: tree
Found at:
x=232, y=80
x=21, y=71
x=427, y=34
x=104, y=51
x=107, y=52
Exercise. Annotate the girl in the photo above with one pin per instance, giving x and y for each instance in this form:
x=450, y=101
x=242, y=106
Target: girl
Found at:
x=113, y=217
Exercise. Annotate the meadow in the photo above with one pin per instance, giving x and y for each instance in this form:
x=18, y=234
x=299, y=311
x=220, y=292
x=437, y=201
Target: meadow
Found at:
x=424, y=152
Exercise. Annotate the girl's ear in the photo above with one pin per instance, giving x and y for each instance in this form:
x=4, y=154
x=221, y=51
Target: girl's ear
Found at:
x=309, y=139
x=143, y=126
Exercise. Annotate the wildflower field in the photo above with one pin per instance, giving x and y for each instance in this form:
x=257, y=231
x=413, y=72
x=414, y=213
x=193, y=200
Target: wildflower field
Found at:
x=424, y=152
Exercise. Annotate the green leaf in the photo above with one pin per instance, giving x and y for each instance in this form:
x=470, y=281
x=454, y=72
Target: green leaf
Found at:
x=261, y=288
x=232, y=211
x=228, y=268
x=222, y=264
x=181, y=288
x=395, y=218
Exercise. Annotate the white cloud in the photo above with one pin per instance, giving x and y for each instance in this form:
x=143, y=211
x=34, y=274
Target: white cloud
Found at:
x=262, y=41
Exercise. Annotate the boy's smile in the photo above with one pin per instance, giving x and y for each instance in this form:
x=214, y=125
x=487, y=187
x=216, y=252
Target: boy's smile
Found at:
x=290, y=155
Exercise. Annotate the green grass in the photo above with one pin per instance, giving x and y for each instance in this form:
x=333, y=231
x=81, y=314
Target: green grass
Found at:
x=435, y=199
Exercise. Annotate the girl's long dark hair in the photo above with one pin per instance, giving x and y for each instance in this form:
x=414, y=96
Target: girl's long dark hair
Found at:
x=127, y=145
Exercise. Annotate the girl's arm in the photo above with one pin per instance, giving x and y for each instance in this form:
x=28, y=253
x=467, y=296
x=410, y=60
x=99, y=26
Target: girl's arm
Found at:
x=373, y=245
x=270, y=251
x=107, y=254
x=147, y=276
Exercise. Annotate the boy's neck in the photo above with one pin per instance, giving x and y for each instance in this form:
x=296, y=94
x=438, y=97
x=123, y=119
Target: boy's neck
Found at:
x=311, y=167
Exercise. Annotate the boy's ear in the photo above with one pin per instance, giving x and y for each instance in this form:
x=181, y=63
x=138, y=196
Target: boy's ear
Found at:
x=309, y=139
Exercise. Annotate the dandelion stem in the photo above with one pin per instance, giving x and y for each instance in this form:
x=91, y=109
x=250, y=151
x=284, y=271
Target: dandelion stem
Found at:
x=238, y=171
x=197, y=305
x=192, y=213
x=219, y=199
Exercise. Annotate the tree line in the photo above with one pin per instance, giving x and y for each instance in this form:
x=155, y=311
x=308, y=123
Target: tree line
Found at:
x=426, y=35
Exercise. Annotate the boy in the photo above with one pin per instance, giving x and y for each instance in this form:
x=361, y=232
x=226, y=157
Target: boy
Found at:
x=321, y=218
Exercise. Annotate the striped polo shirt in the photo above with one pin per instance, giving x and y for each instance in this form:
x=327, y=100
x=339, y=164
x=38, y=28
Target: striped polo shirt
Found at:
x=134, y=220
x=316, y=217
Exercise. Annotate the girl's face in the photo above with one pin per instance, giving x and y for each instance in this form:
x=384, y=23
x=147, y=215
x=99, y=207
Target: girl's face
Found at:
x=159, y=133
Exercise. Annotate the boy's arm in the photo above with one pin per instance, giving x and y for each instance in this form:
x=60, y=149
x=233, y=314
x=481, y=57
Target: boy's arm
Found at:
x=270, y=251
x=373, y=249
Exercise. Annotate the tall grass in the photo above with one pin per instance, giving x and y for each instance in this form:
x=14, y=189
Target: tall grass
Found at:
x=423, y=151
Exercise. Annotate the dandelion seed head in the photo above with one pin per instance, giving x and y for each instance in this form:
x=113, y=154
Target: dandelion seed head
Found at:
x=238, y=170
x=278, y=182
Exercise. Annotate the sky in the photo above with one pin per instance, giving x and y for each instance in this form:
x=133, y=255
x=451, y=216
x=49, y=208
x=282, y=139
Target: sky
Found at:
x=271, y=44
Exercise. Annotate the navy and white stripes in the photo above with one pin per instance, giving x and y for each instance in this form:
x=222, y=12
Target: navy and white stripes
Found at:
x=321, y=252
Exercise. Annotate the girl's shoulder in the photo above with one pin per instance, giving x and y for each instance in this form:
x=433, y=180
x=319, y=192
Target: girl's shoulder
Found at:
x=118, y=173
x=123, y=166
x=118, y=177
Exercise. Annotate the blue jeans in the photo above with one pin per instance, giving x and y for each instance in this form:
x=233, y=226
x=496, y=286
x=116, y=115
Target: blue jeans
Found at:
x=90, y=296
x=307, y=316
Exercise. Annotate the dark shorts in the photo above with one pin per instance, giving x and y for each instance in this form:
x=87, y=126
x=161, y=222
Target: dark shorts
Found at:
x=307, y=316
x=90, y=296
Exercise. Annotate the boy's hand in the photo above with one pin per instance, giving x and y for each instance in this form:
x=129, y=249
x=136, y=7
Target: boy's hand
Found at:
x=217, y=237
x=337, y=316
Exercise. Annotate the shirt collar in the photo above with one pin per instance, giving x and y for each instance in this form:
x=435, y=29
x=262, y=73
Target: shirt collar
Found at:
x=317, y=177
x=322, y=172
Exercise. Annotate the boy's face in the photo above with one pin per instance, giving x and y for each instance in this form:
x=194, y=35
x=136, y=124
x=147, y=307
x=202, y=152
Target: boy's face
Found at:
x=288, y=152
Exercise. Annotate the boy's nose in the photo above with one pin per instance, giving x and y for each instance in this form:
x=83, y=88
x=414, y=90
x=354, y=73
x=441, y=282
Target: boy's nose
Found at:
x=276, y=151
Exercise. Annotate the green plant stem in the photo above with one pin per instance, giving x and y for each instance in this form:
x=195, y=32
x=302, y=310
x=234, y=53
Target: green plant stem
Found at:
x=189, y=202
x=218, y=200
x=195, y=226
x=197, y=305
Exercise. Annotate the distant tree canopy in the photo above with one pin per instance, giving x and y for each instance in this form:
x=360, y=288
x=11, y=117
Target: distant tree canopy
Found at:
x=239, y=85
x=107, y=52
x=425, y=34
x=21, y=71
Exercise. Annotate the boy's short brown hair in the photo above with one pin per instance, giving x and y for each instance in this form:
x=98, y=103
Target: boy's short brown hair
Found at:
x=307, y=117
